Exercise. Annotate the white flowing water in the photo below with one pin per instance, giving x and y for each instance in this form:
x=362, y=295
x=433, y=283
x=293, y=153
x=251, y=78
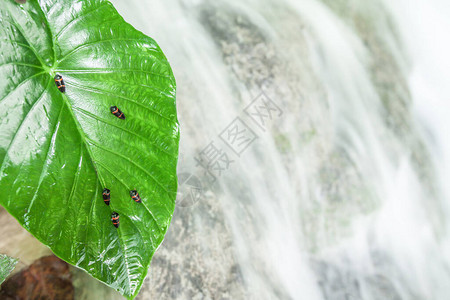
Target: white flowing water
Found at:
x=343, y=194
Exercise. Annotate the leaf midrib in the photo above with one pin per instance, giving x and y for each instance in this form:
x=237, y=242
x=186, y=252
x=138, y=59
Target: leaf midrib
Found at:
x=99, y=178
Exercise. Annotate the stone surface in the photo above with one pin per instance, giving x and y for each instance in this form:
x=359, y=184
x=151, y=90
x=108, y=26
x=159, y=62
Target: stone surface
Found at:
x=47, y=278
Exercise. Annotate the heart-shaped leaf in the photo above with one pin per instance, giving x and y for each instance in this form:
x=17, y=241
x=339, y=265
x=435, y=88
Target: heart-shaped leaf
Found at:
x=7, y=264
x=58, y=151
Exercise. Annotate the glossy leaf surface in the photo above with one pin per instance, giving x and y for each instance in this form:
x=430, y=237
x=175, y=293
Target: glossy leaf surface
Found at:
x=59, y=150
x=7, y=265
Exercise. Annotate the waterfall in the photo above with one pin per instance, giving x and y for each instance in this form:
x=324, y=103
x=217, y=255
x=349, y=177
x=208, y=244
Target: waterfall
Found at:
x=337, y=190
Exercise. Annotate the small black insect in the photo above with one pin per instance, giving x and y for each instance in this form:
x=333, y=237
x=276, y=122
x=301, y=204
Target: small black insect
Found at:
x=106, y=196
x=117, y=112
x=135, y=196
x=115, y=219
x=60, y=83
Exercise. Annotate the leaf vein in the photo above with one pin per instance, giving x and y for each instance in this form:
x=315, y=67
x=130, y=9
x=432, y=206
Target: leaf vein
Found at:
x=101, y=91
x=46, y=163
x=127, y=159
x=89, y=114
x=86, y=45
x=20, y=29
x=90, y=210
x=21, y=64
x=64, y=28
x=20, y=126
x=111, y=70
x=20, y=84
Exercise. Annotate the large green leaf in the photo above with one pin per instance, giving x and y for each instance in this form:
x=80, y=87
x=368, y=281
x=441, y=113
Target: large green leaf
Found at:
x=58, y=151
x=7, y=264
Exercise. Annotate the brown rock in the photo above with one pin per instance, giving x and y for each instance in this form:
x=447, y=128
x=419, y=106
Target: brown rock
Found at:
x=47, y=278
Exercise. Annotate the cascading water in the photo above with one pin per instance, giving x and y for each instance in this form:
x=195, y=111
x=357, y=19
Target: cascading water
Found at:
x=342, y=193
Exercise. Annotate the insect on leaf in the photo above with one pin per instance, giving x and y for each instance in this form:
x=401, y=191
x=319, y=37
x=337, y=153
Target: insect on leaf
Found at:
x=60, y=148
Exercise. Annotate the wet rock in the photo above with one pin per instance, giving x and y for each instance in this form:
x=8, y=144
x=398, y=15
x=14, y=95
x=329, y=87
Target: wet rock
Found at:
x=196, y=260
x=47, y=278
